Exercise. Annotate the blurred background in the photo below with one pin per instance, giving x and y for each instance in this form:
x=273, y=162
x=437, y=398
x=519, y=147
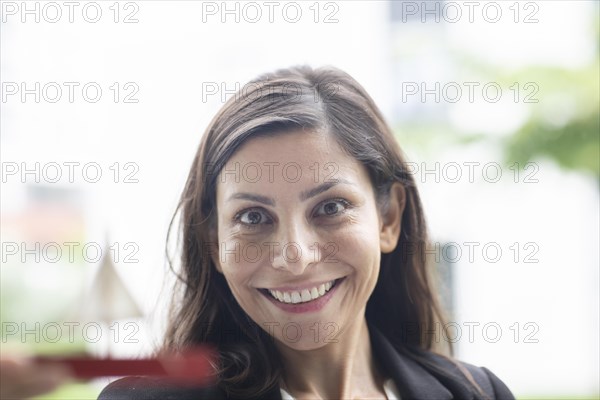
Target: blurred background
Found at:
x=496, y=105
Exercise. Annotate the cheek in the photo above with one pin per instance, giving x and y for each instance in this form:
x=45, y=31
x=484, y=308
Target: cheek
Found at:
x=359, y=241
x=241, y=291
x=240, y=266
x=360, y=251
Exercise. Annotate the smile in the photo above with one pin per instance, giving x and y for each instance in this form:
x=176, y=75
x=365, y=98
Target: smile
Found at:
x=306, y=295
x=306, y=300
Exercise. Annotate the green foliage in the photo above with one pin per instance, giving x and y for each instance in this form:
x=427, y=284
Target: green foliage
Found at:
x=575, y=145
x=75, y=391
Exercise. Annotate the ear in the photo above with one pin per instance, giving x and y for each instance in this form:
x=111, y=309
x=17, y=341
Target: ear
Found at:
x=213, y=245
x=391, y=218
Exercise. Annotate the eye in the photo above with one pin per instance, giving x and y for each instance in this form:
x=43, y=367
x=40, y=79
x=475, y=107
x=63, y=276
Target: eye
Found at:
x=331, y=208
x=252, y=217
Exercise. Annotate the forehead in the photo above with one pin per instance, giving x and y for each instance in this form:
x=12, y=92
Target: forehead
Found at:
x=295, y=159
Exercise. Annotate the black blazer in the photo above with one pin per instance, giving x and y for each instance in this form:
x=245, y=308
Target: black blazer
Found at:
x=412, y=379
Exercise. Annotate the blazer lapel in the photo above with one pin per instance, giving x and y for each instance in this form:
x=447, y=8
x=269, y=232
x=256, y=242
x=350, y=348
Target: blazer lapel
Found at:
x=412, y=380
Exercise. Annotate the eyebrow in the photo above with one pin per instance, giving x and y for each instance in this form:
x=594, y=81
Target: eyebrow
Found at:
x=305, y=195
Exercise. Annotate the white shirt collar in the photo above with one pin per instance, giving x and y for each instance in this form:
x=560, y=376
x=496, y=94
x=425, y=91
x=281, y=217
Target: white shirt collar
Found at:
x=391, y=391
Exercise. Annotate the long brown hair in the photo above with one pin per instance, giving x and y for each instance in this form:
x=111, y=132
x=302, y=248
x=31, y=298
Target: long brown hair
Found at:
x=403, y=306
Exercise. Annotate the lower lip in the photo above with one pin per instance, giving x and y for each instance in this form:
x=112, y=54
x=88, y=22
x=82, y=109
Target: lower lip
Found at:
x=309, y=306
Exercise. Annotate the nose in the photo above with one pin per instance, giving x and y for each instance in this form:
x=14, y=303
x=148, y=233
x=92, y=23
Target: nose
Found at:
x=296, y=248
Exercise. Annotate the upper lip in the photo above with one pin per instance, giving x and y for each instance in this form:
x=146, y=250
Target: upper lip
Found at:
x=300, y=286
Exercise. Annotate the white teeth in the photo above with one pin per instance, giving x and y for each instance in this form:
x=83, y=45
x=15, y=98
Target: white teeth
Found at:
x=305, y=295
x=321, y=290
x=314, y=293
x=296, y=297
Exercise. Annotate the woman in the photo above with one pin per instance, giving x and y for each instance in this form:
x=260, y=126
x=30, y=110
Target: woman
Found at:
x=303, y=255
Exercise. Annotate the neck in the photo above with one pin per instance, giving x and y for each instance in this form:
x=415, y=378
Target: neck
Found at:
x=344, y=369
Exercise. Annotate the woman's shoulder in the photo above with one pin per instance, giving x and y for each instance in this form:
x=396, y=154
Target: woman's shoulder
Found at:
x=150, y=388
x=491, y=385
x=147, y=388
x=424, y=374
x=489, y=382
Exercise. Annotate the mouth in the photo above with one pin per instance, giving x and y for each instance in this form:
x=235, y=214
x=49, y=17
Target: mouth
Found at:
x=310, y=299
x=301, y=296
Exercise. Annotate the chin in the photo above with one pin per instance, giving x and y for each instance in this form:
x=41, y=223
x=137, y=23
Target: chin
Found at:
x=303, y=345
x=306, y=336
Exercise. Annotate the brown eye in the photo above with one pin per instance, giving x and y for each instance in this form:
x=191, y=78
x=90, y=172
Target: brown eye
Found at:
x=251, y=217
x=332, y=207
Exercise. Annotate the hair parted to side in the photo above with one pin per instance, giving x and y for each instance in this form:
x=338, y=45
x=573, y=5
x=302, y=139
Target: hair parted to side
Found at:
x=204, y=309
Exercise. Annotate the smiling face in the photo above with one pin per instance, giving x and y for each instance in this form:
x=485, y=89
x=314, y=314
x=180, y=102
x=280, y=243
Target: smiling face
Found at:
x=299, y=236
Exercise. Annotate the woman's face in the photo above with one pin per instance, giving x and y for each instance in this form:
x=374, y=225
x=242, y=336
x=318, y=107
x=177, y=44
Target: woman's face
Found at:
x=299, y=236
